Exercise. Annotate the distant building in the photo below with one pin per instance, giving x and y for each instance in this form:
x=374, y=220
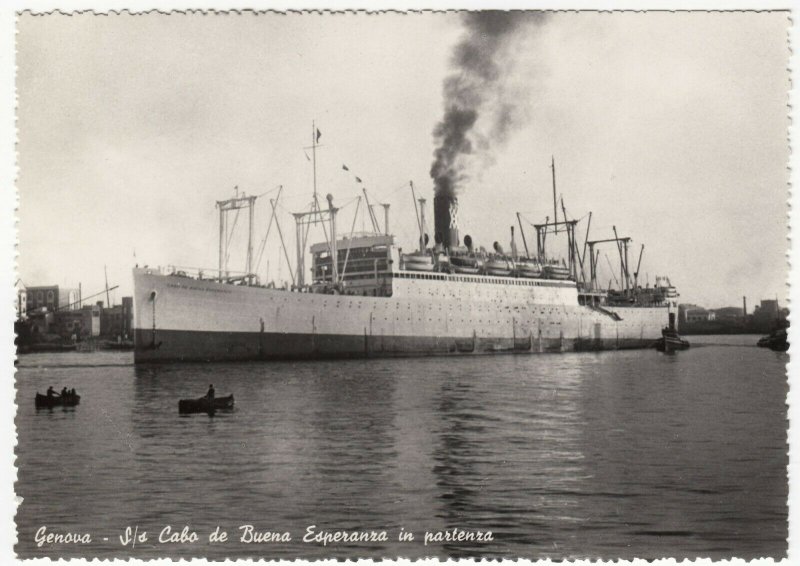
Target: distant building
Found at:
x=47, y=297
x=77, y=323
x=117, y=321
x=41, y=324
x=94, y=314
x=93, y=321
x=693, y=313
x=768, y=311
x=729, y=313
x=22, y=300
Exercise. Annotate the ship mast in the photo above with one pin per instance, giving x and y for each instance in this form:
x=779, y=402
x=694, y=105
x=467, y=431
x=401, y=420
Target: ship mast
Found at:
x=314, y=139
x=555, y=208
x=315, y=215
x=108, y=299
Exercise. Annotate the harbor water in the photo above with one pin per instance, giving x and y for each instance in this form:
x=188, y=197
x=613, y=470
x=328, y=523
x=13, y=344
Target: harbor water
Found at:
x=603, y=455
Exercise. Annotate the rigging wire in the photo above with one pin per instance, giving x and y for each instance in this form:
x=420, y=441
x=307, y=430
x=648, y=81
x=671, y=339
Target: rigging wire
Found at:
x=230, y=237
x=269, y=227
x=349, y=242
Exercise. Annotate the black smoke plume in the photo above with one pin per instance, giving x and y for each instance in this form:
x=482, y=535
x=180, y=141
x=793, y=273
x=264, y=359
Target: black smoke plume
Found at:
x=480, y=63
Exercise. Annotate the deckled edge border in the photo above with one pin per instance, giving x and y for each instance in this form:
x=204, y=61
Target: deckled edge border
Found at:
x=9, y=202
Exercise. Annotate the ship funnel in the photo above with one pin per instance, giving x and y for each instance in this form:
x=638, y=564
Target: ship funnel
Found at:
x=468, y=242
x=445, y=216
x=385, y=219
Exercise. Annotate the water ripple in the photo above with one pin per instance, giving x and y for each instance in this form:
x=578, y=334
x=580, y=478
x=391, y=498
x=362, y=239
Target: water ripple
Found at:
x=613, y=455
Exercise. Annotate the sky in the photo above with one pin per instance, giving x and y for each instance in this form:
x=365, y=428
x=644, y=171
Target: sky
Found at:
x=672, y=127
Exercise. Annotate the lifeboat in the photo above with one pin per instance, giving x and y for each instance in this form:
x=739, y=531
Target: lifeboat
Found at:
x=418, y=262
x=466, y=264
x=499, y=266
x=555, y=271
x=529, y=269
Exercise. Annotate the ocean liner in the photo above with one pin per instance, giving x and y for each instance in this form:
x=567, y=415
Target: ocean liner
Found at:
x=367, y=297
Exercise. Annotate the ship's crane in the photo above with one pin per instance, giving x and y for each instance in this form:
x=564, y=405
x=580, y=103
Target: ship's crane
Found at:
x=225, y=206
x=622, y=243
x=541, y=236
x=638, y=265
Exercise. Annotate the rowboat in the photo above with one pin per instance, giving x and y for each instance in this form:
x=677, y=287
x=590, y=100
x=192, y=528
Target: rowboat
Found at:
x=45, y=402
x=204, y=405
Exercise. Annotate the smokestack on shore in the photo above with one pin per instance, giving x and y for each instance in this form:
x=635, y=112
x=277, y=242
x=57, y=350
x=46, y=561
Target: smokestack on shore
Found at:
x=445, y=218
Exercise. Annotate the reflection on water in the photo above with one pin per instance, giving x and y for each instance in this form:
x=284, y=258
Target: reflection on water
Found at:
x=620, y=454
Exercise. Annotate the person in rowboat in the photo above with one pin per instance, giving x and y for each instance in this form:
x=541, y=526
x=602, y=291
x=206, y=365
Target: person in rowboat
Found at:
x=51, y=392
x=210, y=394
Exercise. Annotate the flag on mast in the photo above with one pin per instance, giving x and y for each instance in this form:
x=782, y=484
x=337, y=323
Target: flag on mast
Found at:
x=319, y=135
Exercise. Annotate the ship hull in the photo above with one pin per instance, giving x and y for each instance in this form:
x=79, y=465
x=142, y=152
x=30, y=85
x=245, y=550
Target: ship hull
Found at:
x=180, y=319
x=188, y=345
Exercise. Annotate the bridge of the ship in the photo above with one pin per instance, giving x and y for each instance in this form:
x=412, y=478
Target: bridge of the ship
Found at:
x=364, y=265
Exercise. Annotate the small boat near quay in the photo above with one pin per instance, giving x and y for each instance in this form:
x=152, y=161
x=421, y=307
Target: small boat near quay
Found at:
x=670, y=341
x=777, y=340
x=205, y=405
x=45, y=347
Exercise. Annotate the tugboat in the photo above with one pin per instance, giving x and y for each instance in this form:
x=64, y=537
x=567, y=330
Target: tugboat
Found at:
x=670, y=341
x=777, y=340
